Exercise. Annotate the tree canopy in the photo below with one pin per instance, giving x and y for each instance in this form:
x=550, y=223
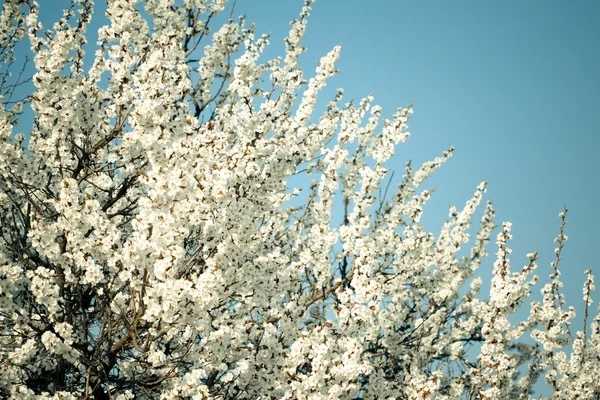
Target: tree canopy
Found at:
x=152, y=247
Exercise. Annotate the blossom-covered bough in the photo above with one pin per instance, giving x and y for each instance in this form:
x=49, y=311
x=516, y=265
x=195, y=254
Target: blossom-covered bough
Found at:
x=152, y=249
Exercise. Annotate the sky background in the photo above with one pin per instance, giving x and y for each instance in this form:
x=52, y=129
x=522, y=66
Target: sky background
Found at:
x=514, y=86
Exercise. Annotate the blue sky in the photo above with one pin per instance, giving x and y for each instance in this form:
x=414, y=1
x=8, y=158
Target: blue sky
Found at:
x=513, y=85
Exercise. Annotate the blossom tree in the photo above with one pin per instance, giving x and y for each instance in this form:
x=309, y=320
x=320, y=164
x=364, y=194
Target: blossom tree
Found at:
x=152, y=249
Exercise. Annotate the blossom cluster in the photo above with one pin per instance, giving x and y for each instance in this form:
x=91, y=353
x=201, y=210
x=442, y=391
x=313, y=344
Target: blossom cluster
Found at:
x=151, y=246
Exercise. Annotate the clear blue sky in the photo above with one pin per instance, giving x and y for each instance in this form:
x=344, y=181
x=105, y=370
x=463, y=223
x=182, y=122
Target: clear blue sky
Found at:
x=513, y=85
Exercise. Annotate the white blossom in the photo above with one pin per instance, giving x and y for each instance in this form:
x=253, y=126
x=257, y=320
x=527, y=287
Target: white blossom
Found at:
x=156, y=243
